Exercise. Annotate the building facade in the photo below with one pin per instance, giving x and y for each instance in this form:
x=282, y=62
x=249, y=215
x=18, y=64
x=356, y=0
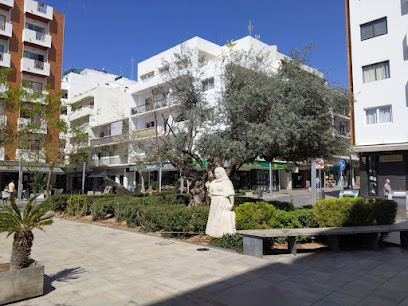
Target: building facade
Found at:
x=378, y=65
x=151, y=107
x=31, y=44
x=98, y=103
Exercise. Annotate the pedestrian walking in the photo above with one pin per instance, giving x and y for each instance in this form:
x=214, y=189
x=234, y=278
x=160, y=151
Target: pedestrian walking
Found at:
x=11, y=188
x=387, y=188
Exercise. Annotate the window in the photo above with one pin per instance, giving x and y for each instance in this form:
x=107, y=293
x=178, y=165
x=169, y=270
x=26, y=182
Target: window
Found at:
x=34, y=56
x=378, y=115
x=150, y=124
x=36, y=86
x=2, y=22
x=147, y=75
x=373, y=28
x=208, y=84
x=376, y=72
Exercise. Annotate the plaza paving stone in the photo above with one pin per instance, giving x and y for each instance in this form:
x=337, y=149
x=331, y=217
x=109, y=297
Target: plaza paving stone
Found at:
x=87, y=264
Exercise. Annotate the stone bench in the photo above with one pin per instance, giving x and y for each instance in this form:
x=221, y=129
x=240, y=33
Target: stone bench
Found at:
x=253, y=239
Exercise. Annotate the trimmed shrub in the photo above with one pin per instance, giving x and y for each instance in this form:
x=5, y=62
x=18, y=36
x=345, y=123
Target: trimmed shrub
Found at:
x=99, y=209
x=294, y=219
x=384, y=211
x=228, y=241
x=77, y=205
x=199, y=218
x=254, y=215
x=287, y=206
x=354, y=212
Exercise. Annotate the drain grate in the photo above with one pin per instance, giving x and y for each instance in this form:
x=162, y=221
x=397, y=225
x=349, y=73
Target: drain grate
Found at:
x=202, y=249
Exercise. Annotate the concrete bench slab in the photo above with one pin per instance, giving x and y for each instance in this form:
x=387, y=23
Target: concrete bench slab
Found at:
x=253, y=239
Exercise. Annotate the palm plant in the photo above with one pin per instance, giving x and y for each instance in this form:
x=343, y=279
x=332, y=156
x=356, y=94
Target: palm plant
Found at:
x=22, y=225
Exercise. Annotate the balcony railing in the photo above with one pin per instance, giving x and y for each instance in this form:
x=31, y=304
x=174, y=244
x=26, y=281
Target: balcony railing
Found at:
x=2, y=154
x=148, y=107
x=144, y=132
x=35, y=66
x=6, y=29
x=7, y=4
x=37, y=38
x=38, y=10
x=108, y=161
x=5, y=59
x=108, y=139
x=81, y=112
x=3, y=121
x=33, y=126
x=33, y=155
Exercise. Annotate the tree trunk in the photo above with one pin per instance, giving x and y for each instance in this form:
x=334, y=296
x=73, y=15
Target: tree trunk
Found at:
x=20, y=254
x=199, y=193
x=48, y=188
x=142, y=178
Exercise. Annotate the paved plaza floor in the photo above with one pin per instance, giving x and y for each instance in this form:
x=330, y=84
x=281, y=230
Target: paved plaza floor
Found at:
x=87, y=264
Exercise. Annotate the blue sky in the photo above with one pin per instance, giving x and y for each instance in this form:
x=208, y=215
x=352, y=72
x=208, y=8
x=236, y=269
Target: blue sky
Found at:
x=107, y=34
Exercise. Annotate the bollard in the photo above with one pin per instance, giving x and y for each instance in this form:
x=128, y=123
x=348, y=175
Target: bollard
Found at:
x=322, y=195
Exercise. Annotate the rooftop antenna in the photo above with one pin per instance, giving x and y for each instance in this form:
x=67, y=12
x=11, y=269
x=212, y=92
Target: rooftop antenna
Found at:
x=132, y=62
x=258, y=37
x=250, y=28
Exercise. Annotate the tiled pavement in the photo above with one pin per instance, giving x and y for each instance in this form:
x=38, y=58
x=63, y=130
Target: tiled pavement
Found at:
x=93, y=265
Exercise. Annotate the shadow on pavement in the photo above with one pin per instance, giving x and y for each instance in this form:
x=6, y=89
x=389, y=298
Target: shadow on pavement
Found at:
x=61, y=276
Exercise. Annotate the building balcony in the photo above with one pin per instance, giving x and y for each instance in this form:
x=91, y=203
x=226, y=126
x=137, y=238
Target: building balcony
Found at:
x=35, y=67
x=3, y=121
x=29, y=155
x=2, y=154
x=134, y=111
x=5, y=60
x=81, y=112
x=106, y=161
x=6, y=4
x=6, y=30
x=38, y=10
x=148, y=132
x=108, y=140
x=32, y=126
x=36, y=38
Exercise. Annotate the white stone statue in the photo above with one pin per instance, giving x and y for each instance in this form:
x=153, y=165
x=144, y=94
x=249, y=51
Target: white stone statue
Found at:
x=221, y=219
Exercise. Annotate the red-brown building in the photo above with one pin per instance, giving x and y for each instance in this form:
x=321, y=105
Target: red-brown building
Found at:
x=31, y=44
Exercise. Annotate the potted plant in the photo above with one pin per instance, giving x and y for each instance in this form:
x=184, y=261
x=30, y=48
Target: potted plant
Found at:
x=22, y=278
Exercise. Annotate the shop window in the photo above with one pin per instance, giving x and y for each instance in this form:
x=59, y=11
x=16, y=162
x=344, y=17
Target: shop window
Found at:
x=372, y=166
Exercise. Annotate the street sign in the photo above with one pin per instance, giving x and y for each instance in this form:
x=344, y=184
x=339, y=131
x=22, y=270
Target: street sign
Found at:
x=342, y=165
x=319, y=163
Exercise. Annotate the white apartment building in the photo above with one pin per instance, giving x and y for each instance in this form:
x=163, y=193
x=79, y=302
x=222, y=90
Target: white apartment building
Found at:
x=151, y=103
x=98, y=102
x=378, y=44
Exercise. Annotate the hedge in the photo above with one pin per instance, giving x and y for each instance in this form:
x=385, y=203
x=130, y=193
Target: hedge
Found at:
x=277, y=204
x=262, y=215
x=354, y=212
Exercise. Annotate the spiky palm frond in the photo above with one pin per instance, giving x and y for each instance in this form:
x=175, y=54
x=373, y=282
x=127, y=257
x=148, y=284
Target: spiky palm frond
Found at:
x=33, y=216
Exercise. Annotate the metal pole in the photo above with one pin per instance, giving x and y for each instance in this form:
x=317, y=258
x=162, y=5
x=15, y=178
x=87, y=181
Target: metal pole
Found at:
x=83, y=178
x=313, y=181
x=270, y=180
x=20, y=181
x=351, y=173
x=160, y=178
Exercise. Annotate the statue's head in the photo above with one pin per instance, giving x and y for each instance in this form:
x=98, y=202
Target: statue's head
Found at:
x=220, y=173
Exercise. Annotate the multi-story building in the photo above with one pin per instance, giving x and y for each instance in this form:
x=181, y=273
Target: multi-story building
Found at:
x=31, y=42
x=151, y=104
x=378, y=65
x=98, y=103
